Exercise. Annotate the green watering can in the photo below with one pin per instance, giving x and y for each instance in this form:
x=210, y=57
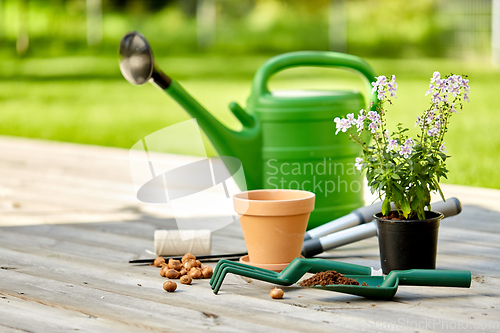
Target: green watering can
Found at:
x=288, y=138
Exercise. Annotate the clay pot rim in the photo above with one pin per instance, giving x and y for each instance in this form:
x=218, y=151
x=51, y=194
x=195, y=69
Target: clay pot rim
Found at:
x=309, y=196
x=276, y=207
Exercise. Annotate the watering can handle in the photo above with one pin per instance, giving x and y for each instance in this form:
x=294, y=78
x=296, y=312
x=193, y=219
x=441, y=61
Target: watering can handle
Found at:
x=316, y=59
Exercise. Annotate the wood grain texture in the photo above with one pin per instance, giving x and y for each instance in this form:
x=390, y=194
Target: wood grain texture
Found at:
x=70, y=221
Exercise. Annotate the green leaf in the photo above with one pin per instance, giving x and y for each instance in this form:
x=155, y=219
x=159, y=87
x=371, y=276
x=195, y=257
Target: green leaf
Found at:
x=439, y=189
x=396, y=193
x=415, y=203
x=420, y=191
x=386, y=206
x=405, y=207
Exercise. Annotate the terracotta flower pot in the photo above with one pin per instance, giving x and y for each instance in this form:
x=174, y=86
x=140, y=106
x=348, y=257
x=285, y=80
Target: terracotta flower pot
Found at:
x=274, y=223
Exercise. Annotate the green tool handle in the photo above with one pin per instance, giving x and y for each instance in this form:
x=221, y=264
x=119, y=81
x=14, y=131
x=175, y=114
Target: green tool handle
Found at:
x=437, y=278
x=316, y=59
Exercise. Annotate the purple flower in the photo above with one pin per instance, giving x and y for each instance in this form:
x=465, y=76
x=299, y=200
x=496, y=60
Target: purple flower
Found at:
x=419, y=122
x=350, y=118
x=392, y=86
x=384, y=87
x=360, y=122
x=381, y=95
x=454, y=85
x=465, y=86
x=443, y=148
x=379, y=84
x=452, y=108
x=359, y=163
x=435, y=77
x=430, y=117
x=373, y=127
x=441, y=85
x=438, y=125
x=431, y=89
x=342, y=125
x=373, y=116
x=433, y=131
x=392, y=145
x=405, y=151
x=436, y=97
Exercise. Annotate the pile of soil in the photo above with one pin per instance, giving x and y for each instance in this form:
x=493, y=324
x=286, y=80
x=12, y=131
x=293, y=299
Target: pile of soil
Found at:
x=393, y=216
x=327, y=278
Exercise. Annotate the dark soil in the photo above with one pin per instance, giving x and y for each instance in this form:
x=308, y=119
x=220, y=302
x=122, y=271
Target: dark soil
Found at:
x=393, y=216
x=328, y=278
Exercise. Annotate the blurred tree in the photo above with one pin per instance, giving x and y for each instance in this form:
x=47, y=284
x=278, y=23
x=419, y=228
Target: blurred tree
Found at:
x=381, y=28
x=188, y=7
x=23, y=40
x=337, y=22
x=495, y=33
x=206, y=23
x=94, y=22
x=149, y=5
x=2, y=19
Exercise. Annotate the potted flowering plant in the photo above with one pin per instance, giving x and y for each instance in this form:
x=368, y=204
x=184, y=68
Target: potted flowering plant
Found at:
x=403, y=170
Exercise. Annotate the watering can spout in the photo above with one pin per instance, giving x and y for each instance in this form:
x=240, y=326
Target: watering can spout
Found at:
x=138, y=66
x=245, y=144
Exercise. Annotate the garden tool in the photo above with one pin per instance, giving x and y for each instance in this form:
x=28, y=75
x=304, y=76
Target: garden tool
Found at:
x=314, y=246
x=377, y=286
x=291, y=274
x=287, y=138
x=202, y=258
x=385, y=287
x=365, y=214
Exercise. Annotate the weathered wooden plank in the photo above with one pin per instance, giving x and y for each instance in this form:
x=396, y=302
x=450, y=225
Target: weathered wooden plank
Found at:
x=74, y=238
x=92, y=238
x=155, y=314
x=137, y=313
x=298, y=297
x=468, y=236
x=46, y=318
x=475, y=218
x=45, y=244
x=92, y=262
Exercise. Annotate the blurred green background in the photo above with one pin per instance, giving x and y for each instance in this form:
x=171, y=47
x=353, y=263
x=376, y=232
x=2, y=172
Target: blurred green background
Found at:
x=59, y=75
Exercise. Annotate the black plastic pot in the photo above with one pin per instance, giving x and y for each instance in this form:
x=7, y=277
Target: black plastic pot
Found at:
x=408, y=244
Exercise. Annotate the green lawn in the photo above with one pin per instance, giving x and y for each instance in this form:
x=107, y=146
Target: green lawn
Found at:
x=86, y=100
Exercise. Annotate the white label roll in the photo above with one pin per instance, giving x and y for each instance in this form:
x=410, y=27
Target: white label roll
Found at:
x=171, y=243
